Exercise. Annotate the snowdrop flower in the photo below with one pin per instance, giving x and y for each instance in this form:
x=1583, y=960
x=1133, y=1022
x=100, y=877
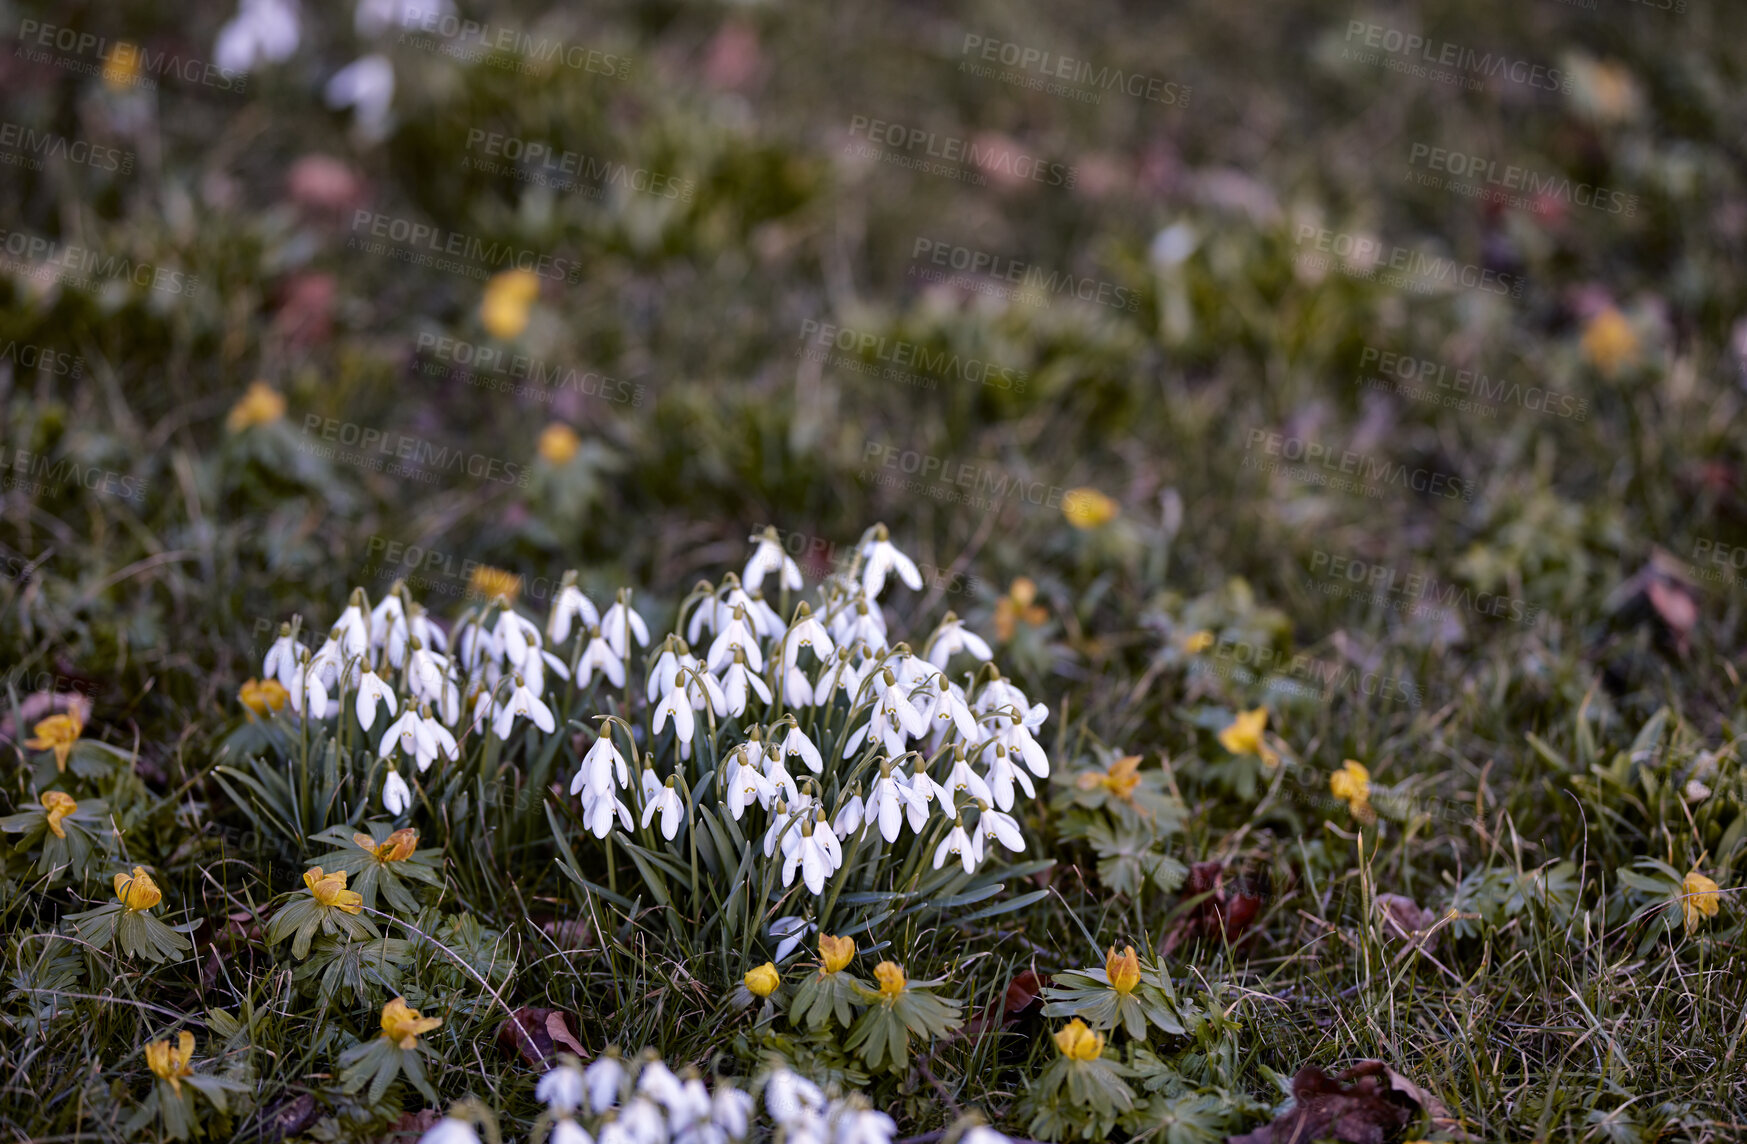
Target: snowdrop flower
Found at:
x=1016, y=737
x=567, y=1131
x=599, y=808
x=790, y=932
x=514, y=636
x=806, y=632
x=450, y=1131
x=371, y=690
x=600, y=656
x=420, y=627
x=881, y=558
x=603, y=1077
x=951, y=636
x=703, y=689
x=864, y=1126
x=736, y=636
x=307, y=691
x=731, y=1110
x=709, y=613
x=887, y=801
x=429, y=680
x=924, y=790
x=668, y=666
x=788, y=1097
x=657, y=1080
x=352, y=631
x=770, y=557
x=667, y=801
x=621, y=624
x=262, y=30
x=765, y=620
x=691, y=1108
x=282, y=658
x=893, y=718
x=796, y=690
x=861, y=627
x=1001, y=777
x=388, y=628
x=561, y=1089
x=983, y=1134
x=962, y=780
x=965, y=847
x=850, y=818
x=477, y=646
x=570, y=606
x=839, y=673
x=779, y=830
x=522, y=704
x=745, y=784
x=738, y=682
x=677, y=707
x=778, y=776
x=641, y=1119
x=419, y=737
x=396, y=795
x=599, y=766
x=376, y=16
x=814, y=857
x=797, y=745
x=367, y=86
x=1003, y=828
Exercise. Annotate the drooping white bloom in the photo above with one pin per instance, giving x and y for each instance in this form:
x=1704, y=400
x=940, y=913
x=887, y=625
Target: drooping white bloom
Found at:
x=667, y=801
x=561, y=1089
x=668, y=667
x=849, y=819
x=796, y=692
x=950, y=712
x=261, y=31
x=450, y=1131
x=806, y=633
x=374, y=17
x=703, y=689
x=796, y=745
x=402, y=733
x=599, y=767
x=1003, y=828
x=367, y=86
x=1016, y=737
x=396, y=795
x=600, y=808
x=421, y=627
x=307, y=692
x=571, y=605
x=388, y=628
x=429, y=678
x=839, y=673
x=603, y=1077
x=515, y=636
x=790, y=932
x=710, y=613
x=641, y=1118
x=889, y=798
x=736, y=636
x=372, y=690
x=600, y=656
x=746, y=784
x=731, y=1110
x=788, y=1097
x=568, y=1131
x=960, y=845
x=657, y=1081
x=861, y=627
x=779, y=830
x=763, y=617
x=282, y=658
x=863, y=1126
x=952, y=636
x=923, y=789
x=1001, y=777
x=962, y=780
x=737, y=684
x=778, y=776
x=621, y=624
x=522, y=704
x=893, y=718
x=352, y=630
x=677, y=707
x=769, y=556
x=813, y=855
x=880, y=557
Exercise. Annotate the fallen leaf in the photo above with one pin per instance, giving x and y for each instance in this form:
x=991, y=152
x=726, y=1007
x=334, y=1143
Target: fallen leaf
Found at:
x=1022, y=1001
x=536, y=1033
x=1220, y=906
x=291, y=1117
x=1405, y=920
x=1359, y=1106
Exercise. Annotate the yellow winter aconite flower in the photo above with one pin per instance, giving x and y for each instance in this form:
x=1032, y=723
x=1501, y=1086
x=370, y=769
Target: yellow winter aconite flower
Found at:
x=172, y=1064
x=1702, y=900
x=508, y=298
x=261, y=405
x=559, y=443
x=1078, y=1043
x=57, y=733
x=891, y=979
x=1609, y=341
x=330, y=890
x=1017, y=607
x=762, y=981
x=137, y=891
x=397, y=847
x=1123, y=969
x=121, y=68
x=1198, y=642
x=1087, y=508
x=1120, y=780
x=492, y=582
x=1244, y=736
x=263, y=698
x=835, y=952
x=1351, y=784
x=402, y=1024
x=59, y=804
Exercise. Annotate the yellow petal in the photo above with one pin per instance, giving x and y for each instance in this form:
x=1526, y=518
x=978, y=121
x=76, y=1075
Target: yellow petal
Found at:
x=835, y=952
x=763, y=980
x=559, y=443
x=403, y=1025
x=891, y=978
x=137, y=891
x=1123, y=969
x=59, y=805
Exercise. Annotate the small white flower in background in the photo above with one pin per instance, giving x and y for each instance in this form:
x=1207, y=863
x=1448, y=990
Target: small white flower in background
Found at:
x=887, y=801
x=677, y=707
x=850, y=818
x=736, y=636
x=862, y=627
x=371, y=691
x=621, y=624
x=951, y=637
x=657, y=1080
x=570, y=606
x=600, y=656
x=796, y=690
x=367, y=86
x=780, y=829
x=396, y=795
x=731, y=1110
x=790, y=932
x=567, y=1131
x=796, y=745
x=788, y=1097
x=450, y=1131
x=965, y=847
x=983, y=1134
x=642, y=1121
x=282, y=658
x=513, y=634
x=813, y=853
x=882, y=557
x=863, y=1126
x=1001, y=777
x=768, y=557
x=962, y=780
x=667, y=801
x=402, y=733
x=746, y=785
x=388, y=629
x=261, y=31
x=779, y=778
x=561, y=1089
x=600, y=808
x=422, y=628
x=739, y=683
x=374, y=17
x=603, y=1078
x=308, y=694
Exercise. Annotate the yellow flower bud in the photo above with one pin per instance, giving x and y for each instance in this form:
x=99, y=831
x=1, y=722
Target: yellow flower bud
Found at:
x=1078, y=1043
x=59, y=804
x=397, y=847
x=1244, y=736
x=835, y=952
x=1123, y=969
x=261, y=405
x=1609, y=341
x=330, y=890
x=559, y=443
x=121, y=68
x=137, y=891
x=1702, y=899
x=891, y=979
x=1198, y=642
x=1351, y=784
x=263, y=697
x=57, y=733
x=172, y=1064
x=508, y=298
x=762, y=981
x=402, y=1024
x=1087, y=508
x=490, y=583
